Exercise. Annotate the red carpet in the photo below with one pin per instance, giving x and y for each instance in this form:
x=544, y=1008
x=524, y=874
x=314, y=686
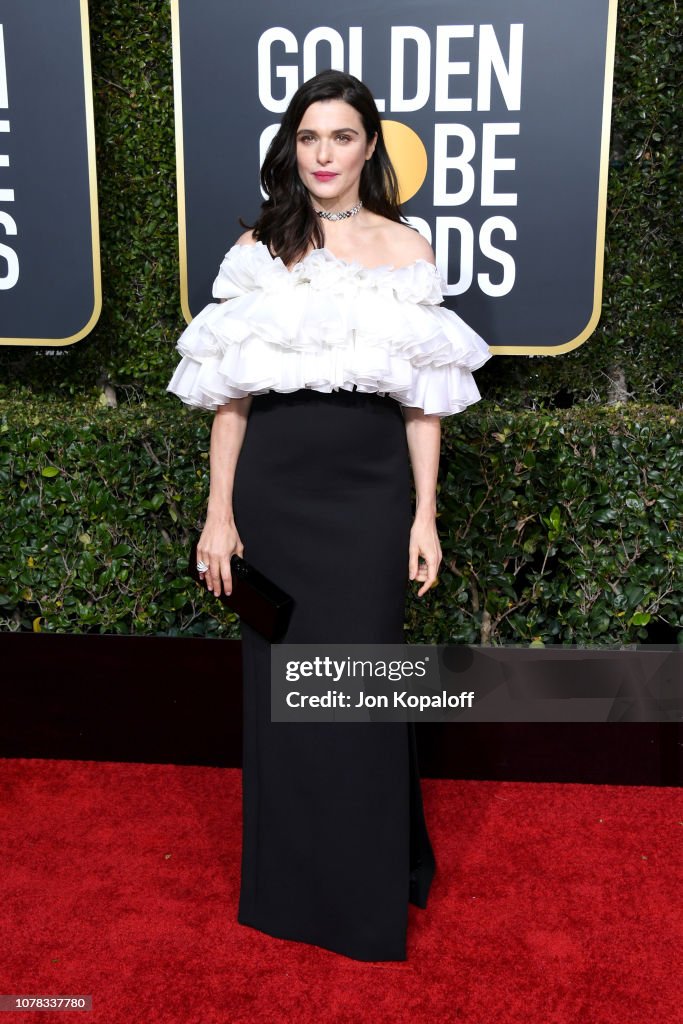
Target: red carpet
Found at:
x=552, y=904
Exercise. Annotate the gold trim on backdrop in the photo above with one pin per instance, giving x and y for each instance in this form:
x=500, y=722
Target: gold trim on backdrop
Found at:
x=501, y=350
x=558, y=350
x=94, y=215
x=180, y=159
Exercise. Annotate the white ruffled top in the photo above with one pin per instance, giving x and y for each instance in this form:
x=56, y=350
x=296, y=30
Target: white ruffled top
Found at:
x=327, y=324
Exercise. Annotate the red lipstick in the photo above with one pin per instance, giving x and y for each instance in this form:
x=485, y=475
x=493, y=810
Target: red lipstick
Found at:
x=324, y=175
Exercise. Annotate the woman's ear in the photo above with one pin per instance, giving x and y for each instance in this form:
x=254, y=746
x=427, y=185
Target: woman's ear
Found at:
x=371, y=146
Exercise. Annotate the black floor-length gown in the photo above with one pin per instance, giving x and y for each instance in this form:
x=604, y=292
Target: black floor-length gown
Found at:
x=335, y=844
x=334, y=837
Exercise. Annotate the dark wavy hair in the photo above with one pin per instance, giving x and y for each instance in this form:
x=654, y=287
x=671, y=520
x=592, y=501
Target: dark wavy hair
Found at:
x=288, y=224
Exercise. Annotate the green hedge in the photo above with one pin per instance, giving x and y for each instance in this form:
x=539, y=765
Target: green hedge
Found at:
x=132, y=347
x=558, y=528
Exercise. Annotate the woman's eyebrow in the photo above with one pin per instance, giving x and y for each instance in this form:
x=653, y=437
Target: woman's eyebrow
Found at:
x=335, y=131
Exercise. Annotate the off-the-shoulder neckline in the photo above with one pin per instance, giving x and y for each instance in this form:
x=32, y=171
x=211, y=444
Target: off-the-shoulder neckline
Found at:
x=327, y=253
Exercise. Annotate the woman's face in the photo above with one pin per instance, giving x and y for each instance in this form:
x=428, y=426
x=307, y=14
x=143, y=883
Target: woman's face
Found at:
x=331, y=150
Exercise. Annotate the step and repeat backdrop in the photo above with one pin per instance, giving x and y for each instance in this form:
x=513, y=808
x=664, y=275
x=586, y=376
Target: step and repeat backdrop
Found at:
x=496, y=114
x=497, y=119
x=50, y=292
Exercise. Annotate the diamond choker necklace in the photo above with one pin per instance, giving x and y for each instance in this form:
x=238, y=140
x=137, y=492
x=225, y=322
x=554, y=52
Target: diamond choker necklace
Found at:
x=340, y=216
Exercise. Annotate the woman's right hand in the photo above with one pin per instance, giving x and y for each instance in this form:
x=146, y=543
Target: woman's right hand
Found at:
x=217, y=544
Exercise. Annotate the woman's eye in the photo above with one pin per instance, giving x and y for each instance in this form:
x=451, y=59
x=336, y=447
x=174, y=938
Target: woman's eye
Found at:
x=343, y=138
x=305, y=138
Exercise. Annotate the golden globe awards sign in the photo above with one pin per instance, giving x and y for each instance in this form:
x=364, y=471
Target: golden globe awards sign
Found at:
x=496, y=114
x=50, y=291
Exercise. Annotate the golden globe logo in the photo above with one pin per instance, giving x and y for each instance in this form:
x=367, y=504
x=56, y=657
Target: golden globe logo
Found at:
x=498, y=128
x=463, y=66
x=408, y=156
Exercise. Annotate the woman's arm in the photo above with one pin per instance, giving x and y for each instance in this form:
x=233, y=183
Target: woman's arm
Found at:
x=424, y=444
x=220, y=539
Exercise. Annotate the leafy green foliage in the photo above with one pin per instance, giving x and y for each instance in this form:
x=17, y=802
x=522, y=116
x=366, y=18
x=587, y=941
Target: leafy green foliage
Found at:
x=560, y=528
x=100, y=509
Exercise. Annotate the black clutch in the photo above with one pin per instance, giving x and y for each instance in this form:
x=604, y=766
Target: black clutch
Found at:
x=255, y=598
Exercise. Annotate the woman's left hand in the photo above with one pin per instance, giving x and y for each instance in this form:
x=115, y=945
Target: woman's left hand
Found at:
x=424, y=543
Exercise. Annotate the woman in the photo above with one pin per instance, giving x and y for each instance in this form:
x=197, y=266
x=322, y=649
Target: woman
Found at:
x=328, y=367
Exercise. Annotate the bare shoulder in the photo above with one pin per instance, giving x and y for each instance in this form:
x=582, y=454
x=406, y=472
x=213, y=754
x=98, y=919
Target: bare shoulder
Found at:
x=407, y=245
x=246, y=239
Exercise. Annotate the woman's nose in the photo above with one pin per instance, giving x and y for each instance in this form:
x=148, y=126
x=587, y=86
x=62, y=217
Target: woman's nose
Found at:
x=324, y=152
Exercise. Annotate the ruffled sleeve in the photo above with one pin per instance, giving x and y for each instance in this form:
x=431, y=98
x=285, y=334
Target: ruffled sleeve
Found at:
x=326, y=325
